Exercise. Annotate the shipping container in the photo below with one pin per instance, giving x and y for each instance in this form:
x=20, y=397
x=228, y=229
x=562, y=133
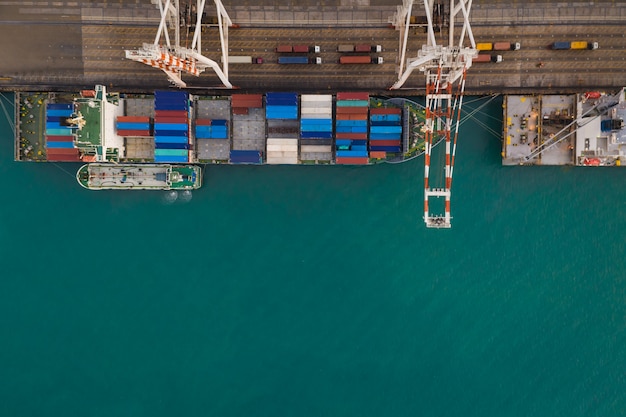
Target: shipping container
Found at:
x=506, y=46
x=59, y=112
x=133, y=119
x=245, y=157
x=352, y=161
x=63, y=155
x=170, y=113
x=367, y=48
x=64, y=145
x=487, y=58
x=59, y=106
x=306, y=49
x=561, y=45
x=484, y=46
x=284, y=48
x=239, y=59
x=52, y=138
x=345, y=48
x=298, y=60
x=138, y=133
x=360, y=59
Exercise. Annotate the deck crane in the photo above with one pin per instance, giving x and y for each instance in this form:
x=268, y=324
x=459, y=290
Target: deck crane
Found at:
x=174, y=59
x=445, y=67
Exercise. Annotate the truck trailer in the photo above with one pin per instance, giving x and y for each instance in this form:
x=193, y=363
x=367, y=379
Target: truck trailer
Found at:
x=239, y=59
x=498, y=46
x=360, y=59
x=574, y=45
x=314, y=49
x=487, y=58
x=298, y=60
x=359, y=48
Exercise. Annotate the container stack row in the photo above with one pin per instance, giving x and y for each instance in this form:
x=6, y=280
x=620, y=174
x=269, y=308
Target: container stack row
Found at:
x=385, y=131
x=282, y=128
x=316, y=127
x=282, y=106
x=316, y=120
x=351, y=128
x=133, y=126
x=211, y=129
x=241, y=103
x=171, y=126
x=60, y=136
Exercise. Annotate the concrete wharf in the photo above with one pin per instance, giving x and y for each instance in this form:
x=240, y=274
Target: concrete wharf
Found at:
x=65, y=45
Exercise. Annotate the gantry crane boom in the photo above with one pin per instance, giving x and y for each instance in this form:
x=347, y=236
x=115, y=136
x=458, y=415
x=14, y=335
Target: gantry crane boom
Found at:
x=445, y=65
x=173, y=59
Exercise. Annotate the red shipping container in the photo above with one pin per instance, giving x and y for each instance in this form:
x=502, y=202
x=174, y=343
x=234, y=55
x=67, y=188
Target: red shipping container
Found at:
x=284, y=48
x=171, y=120
x=361, y=136
x=301, y=48
x=383, y=110
x=353, y=96
x=141, y=133
x=170, y=113
x=344, y=110
x=60, y=138
x=133, y=119
x=63, y=155
x=203, y=122
x=352, y=160
x=240, y=110
x=378, y=154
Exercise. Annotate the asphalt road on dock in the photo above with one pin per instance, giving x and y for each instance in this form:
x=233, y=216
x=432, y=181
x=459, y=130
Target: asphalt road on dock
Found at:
x=69, y=44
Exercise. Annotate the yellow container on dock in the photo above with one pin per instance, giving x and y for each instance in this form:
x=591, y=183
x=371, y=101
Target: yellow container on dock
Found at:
x=579, y=45
x=487, y=46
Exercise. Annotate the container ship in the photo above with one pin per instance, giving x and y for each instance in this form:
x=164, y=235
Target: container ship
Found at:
x=174, y=127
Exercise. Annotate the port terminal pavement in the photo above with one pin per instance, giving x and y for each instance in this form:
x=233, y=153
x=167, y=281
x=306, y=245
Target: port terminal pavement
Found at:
x=70, y=44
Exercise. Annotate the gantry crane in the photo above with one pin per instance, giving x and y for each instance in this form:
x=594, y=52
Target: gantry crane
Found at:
x=445, y=66
x=174, y=59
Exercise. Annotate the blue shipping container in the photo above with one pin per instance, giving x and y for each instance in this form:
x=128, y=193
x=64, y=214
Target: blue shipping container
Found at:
x=170, y=158
x=171, y=139
x=59, y=145
x=60, y=113
x=159, y=145
x=59, y=106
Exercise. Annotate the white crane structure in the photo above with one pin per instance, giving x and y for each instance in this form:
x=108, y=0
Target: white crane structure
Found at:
x=174, y=59
x=445, y=67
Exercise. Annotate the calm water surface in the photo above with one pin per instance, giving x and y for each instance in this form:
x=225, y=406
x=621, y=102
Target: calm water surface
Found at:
x=316, y=291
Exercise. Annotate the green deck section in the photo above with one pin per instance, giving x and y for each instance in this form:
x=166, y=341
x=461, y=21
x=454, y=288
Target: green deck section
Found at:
x=32, y=126
x=90, y=134
x=192, y=177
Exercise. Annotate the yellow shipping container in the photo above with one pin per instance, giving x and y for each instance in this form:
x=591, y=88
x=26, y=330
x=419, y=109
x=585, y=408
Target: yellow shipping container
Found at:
x=487, y=46
x=579, y=45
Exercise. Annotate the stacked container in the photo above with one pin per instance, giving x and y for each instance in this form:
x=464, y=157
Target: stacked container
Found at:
x=316, y=120
x=282, y=106
x=211, y=129
x=351, y=128
x=240, y=103
x=171, y=126
x=281, y=112
x=59, y=136
x=133, y=126
x=385, y=131
x=245, y=157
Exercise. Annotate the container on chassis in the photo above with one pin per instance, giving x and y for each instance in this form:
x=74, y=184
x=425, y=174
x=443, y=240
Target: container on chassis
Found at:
x=574, y=45
x=360, y=59
x=498, y=46
x=298, y=60
x=359, y=48
x=238, y=59
x=298, y=48
x=487, y=58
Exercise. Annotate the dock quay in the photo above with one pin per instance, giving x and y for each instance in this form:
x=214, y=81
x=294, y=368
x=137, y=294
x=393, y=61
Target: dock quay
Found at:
x=75, y=45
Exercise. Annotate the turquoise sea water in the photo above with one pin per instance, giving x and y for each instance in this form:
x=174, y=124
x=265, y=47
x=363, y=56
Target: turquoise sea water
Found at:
x=316, y=291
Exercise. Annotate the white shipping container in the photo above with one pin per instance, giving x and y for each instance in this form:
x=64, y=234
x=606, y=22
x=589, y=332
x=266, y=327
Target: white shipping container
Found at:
x=316, y=98
x=315, y=148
